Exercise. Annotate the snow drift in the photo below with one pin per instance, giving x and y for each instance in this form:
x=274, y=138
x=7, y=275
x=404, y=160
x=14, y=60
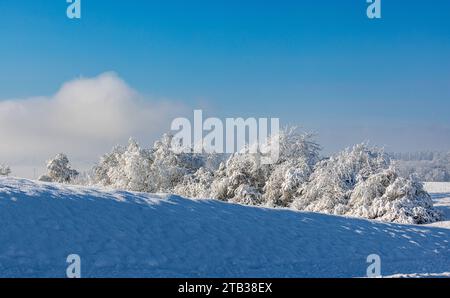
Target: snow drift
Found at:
x=127, y=234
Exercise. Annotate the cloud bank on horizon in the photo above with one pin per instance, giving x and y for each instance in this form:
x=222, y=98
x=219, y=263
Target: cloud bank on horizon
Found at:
x=84, y=119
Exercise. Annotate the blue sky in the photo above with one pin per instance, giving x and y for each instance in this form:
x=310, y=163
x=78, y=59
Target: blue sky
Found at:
x=321, y=64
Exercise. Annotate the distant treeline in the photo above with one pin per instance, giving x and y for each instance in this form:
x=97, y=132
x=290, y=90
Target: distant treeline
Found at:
x=427, y=166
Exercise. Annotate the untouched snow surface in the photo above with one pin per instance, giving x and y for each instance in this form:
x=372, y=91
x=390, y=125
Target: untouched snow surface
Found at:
x=125, y=234
x=440, y=193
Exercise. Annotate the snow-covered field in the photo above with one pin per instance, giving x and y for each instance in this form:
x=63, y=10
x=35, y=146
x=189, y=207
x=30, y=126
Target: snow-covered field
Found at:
x=125, y=234
x=440, y=192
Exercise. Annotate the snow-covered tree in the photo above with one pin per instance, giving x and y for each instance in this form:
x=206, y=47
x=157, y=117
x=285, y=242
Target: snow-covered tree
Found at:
x=59, y=170
x=125, y=168
x=298, y=156
x=5, y=170
x=169, y=168
x=132, y=169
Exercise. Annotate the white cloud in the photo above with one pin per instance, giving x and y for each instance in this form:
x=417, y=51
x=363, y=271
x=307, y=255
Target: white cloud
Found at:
x=84, y=119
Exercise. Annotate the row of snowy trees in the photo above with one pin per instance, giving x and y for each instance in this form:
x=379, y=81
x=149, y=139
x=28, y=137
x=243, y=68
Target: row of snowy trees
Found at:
x=157, y=169
x=360, y=181
x=420, y=155
x=427, y=166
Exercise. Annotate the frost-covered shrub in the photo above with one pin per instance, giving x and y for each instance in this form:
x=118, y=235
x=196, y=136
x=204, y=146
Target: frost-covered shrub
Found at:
x=285, y=182
x=386, y=196
x=247, y=195
x=197, y=185
x=5, y=170
x=223, y=182
x=361, y=182
x=334, y=179
x=240, y=180
x=59, y=170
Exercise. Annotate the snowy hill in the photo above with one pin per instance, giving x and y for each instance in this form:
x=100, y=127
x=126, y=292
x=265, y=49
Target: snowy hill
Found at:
x=125, y=234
